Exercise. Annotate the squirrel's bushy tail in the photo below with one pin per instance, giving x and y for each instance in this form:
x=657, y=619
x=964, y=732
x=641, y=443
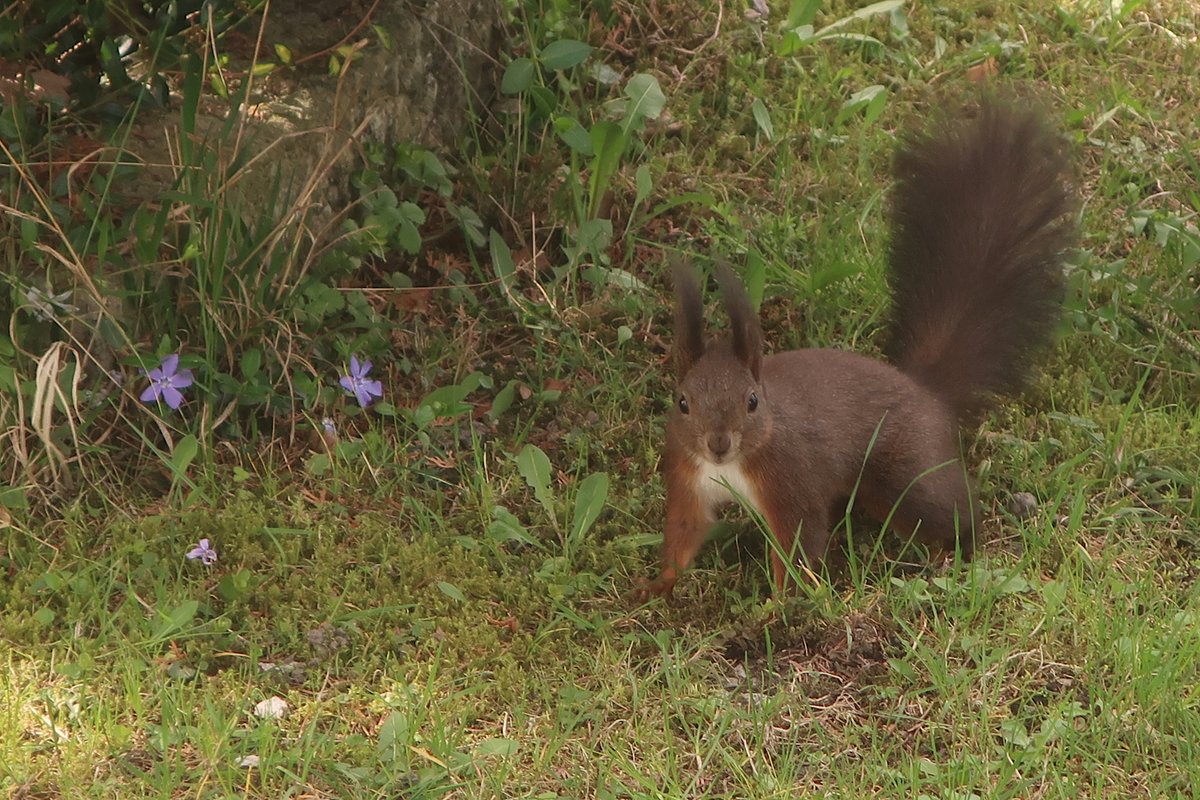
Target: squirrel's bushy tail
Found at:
x=982, y=214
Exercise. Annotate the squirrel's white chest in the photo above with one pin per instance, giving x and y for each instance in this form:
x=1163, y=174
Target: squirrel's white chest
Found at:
x=714, y=482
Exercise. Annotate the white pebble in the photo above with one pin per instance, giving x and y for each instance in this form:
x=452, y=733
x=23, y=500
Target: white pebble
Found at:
x=271, y=708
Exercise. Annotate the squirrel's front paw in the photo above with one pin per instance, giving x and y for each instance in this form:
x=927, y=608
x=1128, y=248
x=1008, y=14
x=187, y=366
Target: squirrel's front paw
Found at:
x=662, y=586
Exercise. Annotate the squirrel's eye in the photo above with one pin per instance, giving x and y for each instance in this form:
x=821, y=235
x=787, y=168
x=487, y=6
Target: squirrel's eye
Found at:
x=752, y=403
x=683, y=406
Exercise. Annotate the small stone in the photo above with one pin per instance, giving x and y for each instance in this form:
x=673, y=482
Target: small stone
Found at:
x=1022, y=505
x=274, y=707
x=249, y=762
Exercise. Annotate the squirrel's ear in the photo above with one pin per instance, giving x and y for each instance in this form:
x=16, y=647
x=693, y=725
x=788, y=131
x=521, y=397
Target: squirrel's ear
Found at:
x=747, y=334
x=689, y=318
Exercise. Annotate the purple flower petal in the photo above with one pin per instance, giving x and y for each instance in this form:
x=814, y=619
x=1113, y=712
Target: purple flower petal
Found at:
x=203, y=551
x=172, y=397
x=182, y=379
x=355, y=369
x=170, y=364
x=364, y=368
x=373, y=387
x=155, y=374
x=149, y=394
x=347, y=383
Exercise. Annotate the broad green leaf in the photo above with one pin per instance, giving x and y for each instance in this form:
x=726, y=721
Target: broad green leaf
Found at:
x=574, y=135
x=883, y=7
x=534, y=467
x=762, y=118
x=802, y=12
x=646, y=99
x=755, y=277
x=251, y=362
x=643, y=184
x=518, y=76
x=503, y=400
x=564, y=54
x=175, y=619
x=451, y=591
x=183, y=454
x=608, y=144
x=870, y=99
x=497, y=747
x=589, y=502
x=505, y=527
x=502, y=262
x=834, y=273
x=595, y=235
x=449, y=400
x=13, y=497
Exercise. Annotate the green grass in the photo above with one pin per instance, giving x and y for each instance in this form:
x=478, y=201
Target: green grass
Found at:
x=438, y=628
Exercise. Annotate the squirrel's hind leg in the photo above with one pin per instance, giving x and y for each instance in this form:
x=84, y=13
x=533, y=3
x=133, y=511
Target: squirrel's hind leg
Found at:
x=937, y=508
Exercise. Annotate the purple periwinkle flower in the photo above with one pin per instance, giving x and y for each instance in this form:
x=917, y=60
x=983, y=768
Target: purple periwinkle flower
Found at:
x=203, y=551
x=165, y=382
x=357, y=383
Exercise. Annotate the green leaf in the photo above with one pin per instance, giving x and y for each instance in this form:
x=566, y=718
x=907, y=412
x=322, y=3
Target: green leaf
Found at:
x=451, y=591
x=564, y=54
x=608, y=143
x=834, y=273
x=44, y=616
x=183, y=454
x=755, y=277
x=497, y=747
x=884, y=7
x=448, y=401
x=251, y=362
x=595, y=235
x=505, y=527
x=762, y=118
x=589, y=502
x=235, y=585
x=503, y=400
x=283, y=54
x=646, y=99
x=643, y=184
x=408, y=237
x=574, y=135
x=869, y=99
x=624, y=334
x=502, y=262
x=175, y=619
x=534, y=467
x=802, y=12
x=317, y=464
x=13, y=497
x=193, y=82
x=518, y=76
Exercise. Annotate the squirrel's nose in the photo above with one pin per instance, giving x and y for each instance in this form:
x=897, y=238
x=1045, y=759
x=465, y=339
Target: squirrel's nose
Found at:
x=718, y=443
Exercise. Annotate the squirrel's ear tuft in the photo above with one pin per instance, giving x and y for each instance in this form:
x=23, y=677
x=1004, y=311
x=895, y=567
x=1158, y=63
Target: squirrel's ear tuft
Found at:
x=743, y=320
x=689, y=317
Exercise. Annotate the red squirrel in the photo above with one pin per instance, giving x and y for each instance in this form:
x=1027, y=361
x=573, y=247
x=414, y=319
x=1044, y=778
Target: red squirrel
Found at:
x=981, y=216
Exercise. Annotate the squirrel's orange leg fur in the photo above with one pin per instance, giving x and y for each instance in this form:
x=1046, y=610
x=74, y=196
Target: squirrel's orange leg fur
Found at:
x=813, y=527
x=688, y=522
